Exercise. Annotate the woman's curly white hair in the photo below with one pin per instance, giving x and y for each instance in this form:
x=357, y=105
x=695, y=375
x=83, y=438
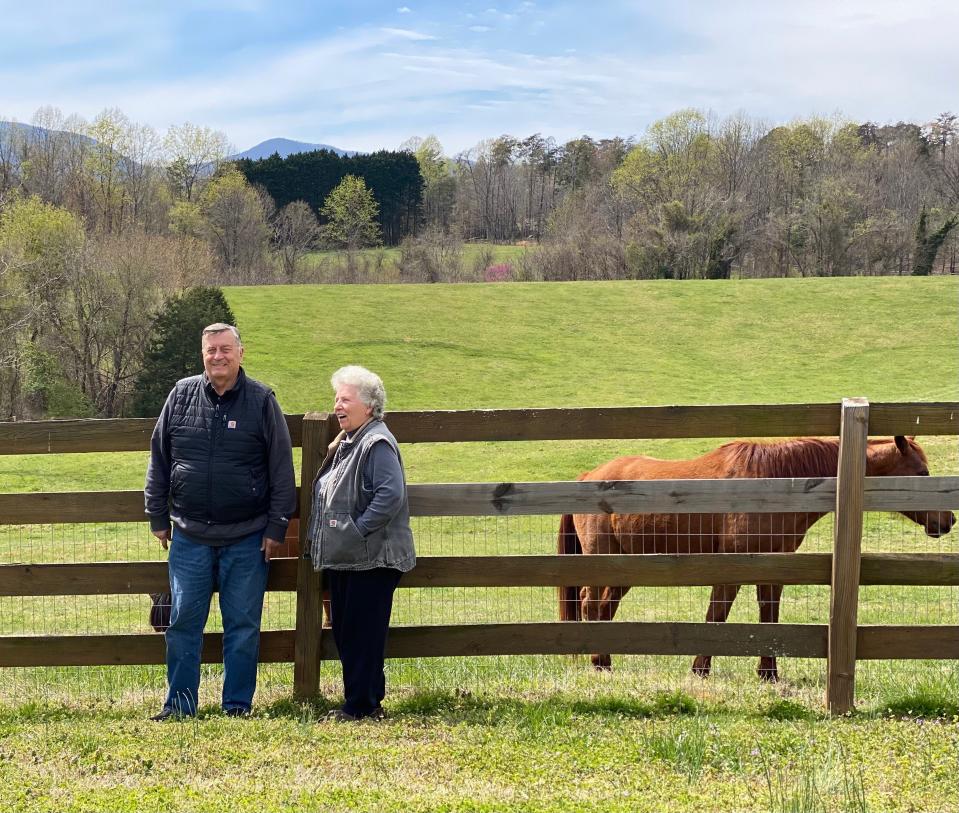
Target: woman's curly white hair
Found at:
x=369, y=386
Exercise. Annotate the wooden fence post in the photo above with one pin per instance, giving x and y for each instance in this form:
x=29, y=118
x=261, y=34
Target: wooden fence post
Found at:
x=847, y=548
x=309, y=600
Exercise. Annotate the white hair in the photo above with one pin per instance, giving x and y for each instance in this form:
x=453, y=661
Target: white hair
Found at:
x=369, y=386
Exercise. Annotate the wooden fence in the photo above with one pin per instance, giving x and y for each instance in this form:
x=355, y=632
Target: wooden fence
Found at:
x=842, y=641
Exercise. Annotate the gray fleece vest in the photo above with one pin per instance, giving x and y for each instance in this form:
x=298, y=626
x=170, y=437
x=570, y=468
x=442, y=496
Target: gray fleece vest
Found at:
x=336, y=543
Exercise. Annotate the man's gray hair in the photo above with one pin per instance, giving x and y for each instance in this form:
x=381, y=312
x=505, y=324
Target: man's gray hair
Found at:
x=219, y=327
x=369, y=386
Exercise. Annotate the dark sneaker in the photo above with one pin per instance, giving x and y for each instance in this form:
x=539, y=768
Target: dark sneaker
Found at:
x=379, y=713
x=340, y=716
x=166, y=714
x=237, y=712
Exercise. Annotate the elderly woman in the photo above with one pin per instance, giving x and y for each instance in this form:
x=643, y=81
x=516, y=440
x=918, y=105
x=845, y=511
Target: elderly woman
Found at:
x=359, y=535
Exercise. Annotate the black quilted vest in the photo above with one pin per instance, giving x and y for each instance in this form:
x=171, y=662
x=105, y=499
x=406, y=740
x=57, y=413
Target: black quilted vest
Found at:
x=219, y=451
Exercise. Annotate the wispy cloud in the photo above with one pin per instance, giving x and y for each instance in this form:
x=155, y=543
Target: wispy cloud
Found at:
x=409, y=35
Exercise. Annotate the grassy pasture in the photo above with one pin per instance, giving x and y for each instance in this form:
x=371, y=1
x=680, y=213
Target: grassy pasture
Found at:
x=530, y=733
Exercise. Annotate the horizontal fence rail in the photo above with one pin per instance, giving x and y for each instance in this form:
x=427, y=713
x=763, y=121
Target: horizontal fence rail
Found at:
x=814, y=494
x=276, y=646
x=645, y=570
x=548, y=638
x=720, y=421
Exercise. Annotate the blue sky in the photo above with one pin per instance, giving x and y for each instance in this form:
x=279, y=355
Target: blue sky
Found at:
x=366, y=75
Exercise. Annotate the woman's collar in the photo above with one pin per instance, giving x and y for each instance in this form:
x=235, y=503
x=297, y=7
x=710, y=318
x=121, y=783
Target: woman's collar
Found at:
x=351, y=436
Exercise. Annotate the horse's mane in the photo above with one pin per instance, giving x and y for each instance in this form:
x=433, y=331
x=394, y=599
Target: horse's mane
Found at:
x=802, y=457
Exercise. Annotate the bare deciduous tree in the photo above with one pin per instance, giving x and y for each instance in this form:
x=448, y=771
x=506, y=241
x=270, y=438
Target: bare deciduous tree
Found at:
x=193, y=154
x=235, y=221
x=295, y=231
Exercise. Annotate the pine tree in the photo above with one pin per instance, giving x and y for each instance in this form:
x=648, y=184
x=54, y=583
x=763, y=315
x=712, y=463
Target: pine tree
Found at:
x=174, y=349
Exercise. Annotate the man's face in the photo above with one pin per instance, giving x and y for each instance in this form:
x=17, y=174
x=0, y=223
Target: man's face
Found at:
x=221, y=358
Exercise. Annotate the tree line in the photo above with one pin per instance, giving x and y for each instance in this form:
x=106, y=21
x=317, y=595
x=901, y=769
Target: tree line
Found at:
x=106, y=225
x=393, y=179
x=702, y=197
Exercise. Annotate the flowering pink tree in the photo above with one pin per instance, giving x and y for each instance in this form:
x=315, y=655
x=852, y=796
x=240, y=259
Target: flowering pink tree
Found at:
x=501, y=272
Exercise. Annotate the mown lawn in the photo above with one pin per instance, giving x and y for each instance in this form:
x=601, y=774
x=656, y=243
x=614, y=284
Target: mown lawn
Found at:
x=523, y=733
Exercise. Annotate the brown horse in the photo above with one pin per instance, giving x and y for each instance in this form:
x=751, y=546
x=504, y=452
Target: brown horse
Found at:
x=722, y=533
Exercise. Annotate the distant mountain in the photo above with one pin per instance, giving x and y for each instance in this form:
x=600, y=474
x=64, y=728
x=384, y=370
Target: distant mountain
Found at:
x=285, y=147
x=33, y=132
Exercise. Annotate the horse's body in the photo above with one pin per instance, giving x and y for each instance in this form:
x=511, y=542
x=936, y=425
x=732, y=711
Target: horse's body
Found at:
x=721, y=533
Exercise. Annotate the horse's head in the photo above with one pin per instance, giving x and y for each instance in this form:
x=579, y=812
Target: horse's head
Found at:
x=905, y=458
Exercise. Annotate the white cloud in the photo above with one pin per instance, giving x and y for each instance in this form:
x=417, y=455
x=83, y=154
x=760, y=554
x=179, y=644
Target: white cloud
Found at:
x=407, y=34
x=404, y=10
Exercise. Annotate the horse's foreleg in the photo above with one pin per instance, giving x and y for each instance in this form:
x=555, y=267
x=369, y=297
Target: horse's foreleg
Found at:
x=592, y=601
x=600, y=604
x=768, y=596
x=720, y=603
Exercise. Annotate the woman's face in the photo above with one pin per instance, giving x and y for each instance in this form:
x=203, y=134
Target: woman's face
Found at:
x=350, y=411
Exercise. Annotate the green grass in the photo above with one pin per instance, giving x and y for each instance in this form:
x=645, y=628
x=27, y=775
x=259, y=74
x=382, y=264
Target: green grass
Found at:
x=579, y=750
x=524, y=732
x=609, y=344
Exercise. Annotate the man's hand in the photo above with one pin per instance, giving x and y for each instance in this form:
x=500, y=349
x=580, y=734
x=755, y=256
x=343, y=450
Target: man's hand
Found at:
x=164, y=537
x=270, y=548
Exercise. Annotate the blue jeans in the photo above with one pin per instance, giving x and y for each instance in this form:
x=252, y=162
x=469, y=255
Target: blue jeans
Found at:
x=239, y=572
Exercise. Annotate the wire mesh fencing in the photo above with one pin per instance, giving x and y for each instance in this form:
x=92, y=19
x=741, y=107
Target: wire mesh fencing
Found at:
x=470, y=536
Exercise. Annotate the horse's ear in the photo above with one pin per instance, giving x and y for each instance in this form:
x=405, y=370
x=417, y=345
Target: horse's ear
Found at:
x=902, y=444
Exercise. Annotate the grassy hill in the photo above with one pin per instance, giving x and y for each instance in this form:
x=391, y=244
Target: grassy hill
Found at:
x=613, y=343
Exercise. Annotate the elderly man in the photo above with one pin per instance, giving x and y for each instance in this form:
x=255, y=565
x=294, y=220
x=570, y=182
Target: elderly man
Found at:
x=221, y=468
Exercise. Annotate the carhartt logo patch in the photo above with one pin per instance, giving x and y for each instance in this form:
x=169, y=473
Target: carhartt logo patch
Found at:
x=231, y=425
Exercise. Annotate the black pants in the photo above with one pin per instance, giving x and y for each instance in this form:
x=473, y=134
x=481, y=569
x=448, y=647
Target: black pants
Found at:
x=360, y=605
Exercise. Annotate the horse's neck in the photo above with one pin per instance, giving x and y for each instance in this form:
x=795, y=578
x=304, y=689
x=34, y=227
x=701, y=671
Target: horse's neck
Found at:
x=807, y=457
x=880, y=458
x=815, y=457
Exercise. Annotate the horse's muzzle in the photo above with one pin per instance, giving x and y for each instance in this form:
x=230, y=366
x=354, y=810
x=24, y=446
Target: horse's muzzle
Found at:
x=939, y=523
